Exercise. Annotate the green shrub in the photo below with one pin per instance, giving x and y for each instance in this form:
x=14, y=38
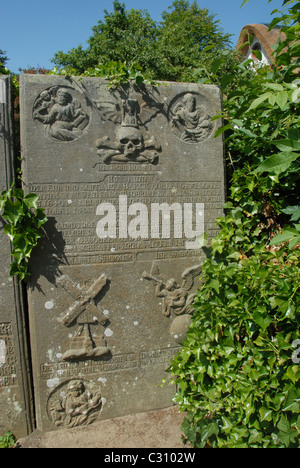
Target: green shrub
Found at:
x=238, y=373
x=7, y=441
x=23, y=220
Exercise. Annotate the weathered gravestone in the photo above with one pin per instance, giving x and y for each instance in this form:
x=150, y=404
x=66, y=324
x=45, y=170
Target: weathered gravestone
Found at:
x=128, y=179
x=15, y=394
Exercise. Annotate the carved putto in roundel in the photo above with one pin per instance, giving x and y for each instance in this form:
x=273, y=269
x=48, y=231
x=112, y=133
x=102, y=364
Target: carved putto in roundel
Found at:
x=74, y=403
x=189, y=118
x=63, y=115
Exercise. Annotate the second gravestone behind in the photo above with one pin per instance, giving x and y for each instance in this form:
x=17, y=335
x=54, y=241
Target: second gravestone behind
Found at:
x=129, y=178
x=16, y=410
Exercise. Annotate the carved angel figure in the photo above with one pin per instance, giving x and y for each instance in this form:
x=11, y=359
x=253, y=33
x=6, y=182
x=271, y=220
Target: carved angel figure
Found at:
x=61, y=113
x=192, y=119
x=78, y=407
x=176, y=298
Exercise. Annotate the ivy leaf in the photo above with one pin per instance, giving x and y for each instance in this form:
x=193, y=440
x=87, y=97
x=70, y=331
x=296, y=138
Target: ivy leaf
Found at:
x=292, y=401
x=208, y=431
x=19, y=193
x=266, y=414
x=262, y=320
x=292, y=374
x=215, y=285
x=8, y=231
x=20, y=243
x=286, y=433
x=255, y=436
x=31, y=200
x=11, y=213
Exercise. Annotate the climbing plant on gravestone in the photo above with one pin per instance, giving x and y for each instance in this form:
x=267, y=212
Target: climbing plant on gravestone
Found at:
x=237, y=374
x=23, y=220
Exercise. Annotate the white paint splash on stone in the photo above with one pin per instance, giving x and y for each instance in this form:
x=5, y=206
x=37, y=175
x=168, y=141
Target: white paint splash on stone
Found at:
x=102, y=380
x=2, y=352
x=51, y=383
x=18, y=407
x=49, y=305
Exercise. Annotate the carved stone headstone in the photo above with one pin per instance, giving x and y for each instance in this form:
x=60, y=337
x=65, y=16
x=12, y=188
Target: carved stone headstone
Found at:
x=129, y=179
x=15, y=393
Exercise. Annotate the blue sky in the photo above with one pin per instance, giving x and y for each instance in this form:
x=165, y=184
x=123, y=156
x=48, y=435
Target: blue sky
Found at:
x=32, y=31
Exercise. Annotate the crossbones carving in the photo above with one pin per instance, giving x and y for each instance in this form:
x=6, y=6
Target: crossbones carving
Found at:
x=130, y=144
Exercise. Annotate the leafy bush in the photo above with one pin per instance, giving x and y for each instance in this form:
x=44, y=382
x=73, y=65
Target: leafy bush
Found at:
x=23, y=222
x=7, y=441
x=237, y=377
x=179, y=48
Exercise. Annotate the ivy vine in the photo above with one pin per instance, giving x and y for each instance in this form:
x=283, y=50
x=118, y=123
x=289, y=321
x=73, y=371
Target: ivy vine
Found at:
x=237, y=376
x=23, y=220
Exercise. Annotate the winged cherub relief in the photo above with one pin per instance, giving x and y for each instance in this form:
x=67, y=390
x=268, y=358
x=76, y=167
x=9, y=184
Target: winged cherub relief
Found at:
x=131, y=143
x=190, y=120
x=61, y=113
x=177, y=299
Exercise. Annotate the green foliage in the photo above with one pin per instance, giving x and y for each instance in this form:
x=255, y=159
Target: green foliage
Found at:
x=3, y=58
x=23, y=222
x=123, y=36
x=7, y=441
x=117, y=73
x=189, y=38
x=172, y=50
x=236, y=377
x=3, y=70
x=14, y=78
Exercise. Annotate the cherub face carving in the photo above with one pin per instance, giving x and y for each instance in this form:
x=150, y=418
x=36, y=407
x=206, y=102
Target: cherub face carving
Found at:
x=130, y=141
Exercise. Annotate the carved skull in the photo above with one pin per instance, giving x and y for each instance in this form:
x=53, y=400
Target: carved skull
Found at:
x=130, y=141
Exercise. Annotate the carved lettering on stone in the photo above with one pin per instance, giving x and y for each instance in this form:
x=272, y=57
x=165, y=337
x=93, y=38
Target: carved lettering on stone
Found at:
x=111, y=197
x=74, y=403
x=61, y=113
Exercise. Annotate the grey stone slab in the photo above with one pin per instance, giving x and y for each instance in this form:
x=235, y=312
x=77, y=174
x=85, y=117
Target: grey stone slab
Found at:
x=154, y=429
x=15, y=392
x=128, y=179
